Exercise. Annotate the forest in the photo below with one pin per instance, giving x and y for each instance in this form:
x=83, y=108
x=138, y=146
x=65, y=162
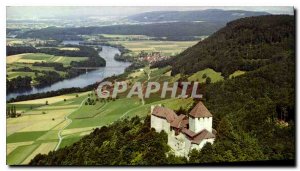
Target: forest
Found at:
x=18, y=83
x=244, y=44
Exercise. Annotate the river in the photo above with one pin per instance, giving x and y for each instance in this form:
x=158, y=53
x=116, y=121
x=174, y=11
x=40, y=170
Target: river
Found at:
x=112, y=67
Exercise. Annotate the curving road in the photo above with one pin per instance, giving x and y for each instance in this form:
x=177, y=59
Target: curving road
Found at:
x=70, y=121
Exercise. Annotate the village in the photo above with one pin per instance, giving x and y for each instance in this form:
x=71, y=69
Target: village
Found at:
x=152, y=57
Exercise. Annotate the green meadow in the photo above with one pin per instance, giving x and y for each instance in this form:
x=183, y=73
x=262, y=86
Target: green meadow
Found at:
x=202, y=75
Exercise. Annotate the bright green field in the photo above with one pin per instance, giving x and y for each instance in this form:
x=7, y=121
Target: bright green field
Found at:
x=20, y=154
x=198, y=76
x=24, y=136
x=236, y=74
x=88, y=111
x=103, y=114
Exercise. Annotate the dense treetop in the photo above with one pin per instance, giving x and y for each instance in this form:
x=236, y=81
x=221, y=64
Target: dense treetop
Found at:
x=244, y=44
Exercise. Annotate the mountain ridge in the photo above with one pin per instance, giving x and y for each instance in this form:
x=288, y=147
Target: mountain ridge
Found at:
x=212, y=15
x=243, y=44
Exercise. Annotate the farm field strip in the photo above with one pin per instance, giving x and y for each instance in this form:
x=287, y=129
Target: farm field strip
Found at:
x=165, y=47
x=19, y=61
x=70, y=135
x=76, y=130
x=28, y=131
x=18, y=155
x=51, y=100
x=12, y=146
x=44, y=148
x=29, y=58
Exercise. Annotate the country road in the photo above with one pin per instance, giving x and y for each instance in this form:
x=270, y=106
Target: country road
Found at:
x=70, y=121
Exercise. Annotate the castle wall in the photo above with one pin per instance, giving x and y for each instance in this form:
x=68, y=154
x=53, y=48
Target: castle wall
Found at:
x=198, y=124
x=177, y=143
x=202, y=143
x=180, y=144
x=160, y=124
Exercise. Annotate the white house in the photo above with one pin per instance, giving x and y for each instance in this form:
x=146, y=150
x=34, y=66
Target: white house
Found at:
x=185, y=132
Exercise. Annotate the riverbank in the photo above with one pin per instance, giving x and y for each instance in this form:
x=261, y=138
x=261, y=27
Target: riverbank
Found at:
x=113, y=67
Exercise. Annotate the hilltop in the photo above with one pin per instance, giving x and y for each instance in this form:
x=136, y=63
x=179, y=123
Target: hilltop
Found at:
x=211, y=15
x=165, y=25
x=244, y=44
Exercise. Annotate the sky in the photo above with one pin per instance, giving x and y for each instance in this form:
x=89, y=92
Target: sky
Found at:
x=19, y=12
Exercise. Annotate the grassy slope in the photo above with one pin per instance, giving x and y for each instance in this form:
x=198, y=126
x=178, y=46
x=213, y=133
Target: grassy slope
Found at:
x=198, y=76
x=237, y=73
x=84, y=119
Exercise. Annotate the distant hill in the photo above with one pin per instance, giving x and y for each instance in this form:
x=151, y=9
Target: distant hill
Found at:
x=174, y=25
x=173, y=31
x=210, y=15
x=244, y=44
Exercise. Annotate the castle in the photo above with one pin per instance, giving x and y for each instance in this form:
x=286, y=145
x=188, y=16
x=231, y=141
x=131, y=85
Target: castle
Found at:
x=184, y=132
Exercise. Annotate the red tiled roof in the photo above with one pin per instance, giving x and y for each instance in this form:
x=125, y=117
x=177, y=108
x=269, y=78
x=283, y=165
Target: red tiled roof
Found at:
x=178, y=122
x=165, y=113
x=182, y=121
x=200, y=111
x=185, y=122
x=188, y=132
x=201, y=136
x=197, y=138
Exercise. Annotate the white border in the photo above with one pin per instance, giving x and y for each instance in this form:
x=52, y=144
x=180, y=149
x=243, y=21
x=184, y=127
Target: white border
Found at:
x=5, y=3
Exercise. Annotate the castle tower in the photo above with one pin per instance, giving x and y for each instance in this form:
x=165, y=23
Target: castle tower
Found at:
x=200, y=118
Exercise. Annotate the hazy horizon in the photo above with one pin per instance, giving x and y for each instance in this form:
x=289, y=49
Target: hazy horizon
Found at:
x=47, y=12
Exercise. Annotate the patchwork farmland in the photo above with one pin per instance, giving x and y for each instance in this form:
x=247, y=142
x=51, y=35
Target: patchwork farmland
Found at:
x=15, y=62
x=43, y=128
x=168, y=48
